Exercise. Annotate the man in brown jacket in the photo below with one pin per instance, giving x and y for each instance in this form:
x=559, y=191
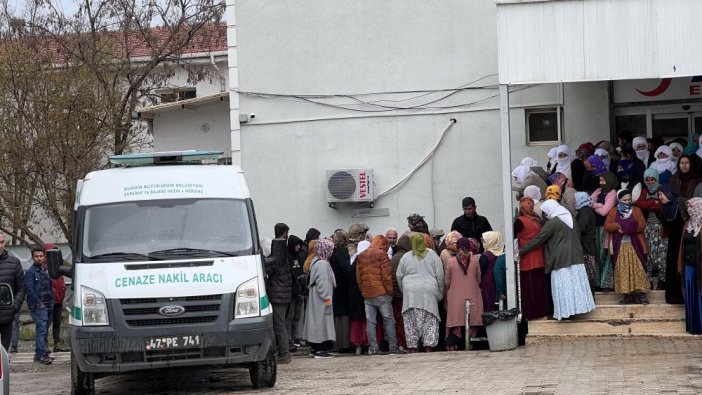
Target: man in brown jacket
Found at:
x=374, y=278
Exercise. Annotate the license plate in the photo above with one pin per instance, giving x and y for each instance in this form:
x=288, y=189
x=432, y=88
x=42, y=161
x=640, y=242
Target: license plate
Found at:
x=169, y=342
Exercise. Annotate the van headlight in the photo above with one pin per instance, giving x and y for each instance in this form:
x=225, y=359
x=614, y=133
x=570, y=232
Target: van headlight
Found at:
x=247, y=304
x=94, y=307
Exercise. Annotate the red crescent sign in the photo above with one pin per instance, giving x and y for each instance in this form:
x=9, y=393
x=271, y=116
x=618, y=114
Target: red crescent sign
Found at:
x=662, y=87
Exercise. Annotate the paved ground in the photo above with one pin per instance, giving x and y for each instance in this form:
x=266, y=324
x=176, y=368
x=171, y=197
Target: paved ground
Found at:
x=594, y=366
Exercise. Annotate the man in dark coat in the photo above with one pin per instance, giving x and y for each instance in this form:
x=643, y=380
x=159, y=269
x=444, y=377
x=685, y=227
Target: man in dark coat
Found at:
x=279, y=289
x=470, y=224
x=299, y=290
x=10, y=273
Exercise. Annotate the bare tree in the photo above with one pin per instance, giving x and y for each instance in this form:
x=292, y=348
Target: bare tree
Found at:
x=69, y=85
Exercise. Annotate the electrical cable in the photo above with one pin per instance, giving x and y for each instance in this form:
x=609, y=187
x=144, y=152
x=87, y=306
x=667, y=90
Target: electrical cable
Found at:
x=428, y=156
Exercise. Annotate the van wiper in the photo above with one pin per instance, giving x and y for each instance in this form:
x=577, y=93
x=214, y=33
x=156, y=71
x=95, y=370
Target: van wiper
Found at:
x=190, y=251
x=125, y=256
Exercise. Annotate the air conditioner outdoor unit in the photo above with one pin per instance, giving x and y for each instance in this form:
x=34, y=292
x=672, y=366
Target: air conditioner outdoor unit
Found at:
x=349, y=186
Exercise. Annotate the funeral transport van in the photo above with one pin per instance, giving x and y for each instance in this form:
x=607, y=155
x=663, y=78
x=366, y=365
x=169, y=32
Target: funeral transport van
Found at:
x=167, y=270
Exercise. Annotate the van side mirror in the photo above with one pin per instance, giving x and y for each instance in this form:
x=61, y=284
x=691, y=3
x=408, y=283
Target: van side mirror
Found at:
x=6, y=296
x=54, y=262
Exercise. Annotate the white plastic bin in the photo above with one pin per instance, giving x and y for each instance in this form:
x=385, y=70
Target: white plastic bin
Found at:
x=502, y=335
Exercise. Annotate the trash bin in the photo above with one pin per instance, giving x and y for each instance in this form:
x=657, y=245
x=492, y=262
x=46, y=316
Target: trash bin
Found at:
x=501, y=328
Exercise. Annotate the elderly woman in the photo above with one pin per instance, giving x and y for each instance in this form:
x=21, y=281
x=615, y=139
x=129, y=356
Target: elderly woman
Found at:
x=570, y=289
x=451, y=248
x=462, y=280
x=534, y=288
x=420, y=277
x=319, y=329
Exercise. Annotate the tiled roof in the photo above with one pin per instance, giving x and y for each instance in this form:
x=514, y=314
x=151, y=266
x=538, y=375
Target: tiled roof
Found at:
x=211, y=38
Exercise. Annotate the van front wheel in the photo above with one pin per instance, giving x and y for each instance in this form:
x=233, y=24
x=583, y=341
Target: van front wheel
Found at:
x=82, y=383
x=264, y=373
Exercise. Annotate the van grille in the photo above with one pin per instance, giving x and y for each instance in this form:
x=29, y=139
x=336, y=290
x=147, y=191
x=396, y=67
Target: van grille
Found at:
x=144, y=312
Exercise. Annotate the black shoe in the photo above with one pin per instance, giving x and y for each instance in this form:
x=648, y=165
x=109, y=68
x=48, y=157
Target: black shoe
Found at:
x=296, y=343
x=323, y=354
x=44, y=360
x=13, y=349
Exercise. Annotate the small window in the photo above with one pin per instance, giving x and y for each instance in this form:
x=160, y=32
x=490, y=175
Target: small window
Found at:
x=174, y=95
x=544, y=125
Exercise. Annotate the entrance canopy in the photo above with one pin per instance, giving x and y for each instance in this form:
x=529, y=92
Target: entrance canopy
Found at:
x=546, y=41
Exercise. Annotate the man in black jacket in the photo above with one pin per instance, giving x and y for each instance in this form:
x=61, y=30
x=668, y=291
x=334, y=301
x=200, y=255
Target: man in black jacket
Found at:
x=10, y=273
x=470, y=224
x=279, y=289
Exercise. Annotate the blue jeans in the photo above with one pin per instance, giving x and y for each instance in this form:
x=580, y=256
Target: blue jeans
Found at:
x=41, y=321
x=382, y=304
x=15, y=331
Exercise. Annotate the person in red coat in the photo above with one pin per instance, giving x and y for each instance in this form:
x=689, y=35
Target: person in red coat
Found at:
x=59, y=287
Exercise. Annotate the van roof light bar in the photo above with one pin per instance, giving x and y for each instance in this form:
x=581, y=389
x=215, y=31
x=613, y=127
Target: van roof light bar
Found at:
x=162, y=158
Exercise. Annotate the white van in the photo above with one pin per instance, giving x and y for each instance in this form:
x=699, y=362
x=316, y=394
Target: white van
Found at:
x=167, y=270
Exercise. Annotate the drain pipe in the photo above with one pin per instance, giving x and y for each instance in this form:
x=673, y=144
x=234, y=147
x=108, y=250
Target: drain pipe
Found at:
x=221, y=76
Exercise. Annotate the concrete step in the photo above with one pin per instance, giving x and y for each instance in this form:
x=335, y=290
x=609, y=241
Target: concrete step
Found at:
x=651, y=311
x=654, y=297
x=606, y=327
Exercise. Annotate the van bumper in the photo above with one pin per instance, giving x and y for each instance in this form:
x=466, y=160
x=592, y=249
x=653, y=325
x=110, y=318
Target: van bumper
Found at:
x=104, y=350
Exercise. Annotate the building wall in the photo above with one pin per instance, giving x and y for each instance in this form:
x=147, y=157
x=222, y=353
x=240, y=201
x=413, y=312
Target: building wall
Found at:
x=183, y=128
x=217, y=81
x=404, y=53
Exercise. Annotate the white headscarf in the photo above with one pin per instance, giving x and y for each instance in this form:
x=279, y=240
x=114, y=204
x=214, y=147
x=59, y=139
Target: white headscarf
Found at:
x=554, y=210
x=664, y=164
x=533, y=192
x=362, y=246
x=679, y=147
x=564, y=163
x=553, y=155
x=642, y=154
x=604, y=155
x=524, y=168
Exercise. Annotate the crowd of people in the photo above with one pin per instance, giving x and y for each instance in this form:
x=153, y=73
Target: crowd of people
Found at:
x=624, y=219
x=391, y=293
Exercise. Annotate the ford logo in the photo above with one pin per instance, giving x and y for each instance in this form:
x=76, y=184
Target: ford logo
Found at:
x=171, y=310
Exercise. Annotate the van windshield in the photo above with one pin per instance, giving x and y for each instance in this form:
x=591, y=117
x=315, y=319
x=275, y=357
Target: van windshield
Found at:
x=166, y=229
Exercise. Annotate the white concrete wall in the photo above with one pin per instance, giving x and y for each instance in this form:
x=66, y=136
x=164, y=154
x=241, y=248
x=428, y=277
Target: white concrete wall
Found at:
x=233, y=75
x=182, y=129
x=379, y=51
x=216, y=82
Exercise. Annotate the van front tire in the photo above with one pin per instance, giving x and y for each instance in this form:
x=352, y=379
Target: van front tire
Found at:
x=82, y=383
x=263, y=374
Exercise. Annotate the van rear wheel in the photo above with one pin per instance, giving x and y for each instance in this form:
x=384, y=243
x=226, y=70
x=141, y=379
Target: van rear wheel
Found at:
x=264, y=373
x=82, y=383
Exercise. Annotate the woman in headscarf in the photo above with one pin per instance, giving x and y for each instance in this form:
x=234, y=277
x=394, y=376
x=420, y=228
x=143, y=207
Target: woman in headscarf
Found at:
x=676, y=150
x=689, y=266
x=534, y=194
x=358, y=336
x=567, y=191
x=569, y=286
x=340, y=262
x=664, y=164
x=525, y=175
x=627, y=178
x=684, y=183
x=595, y=168
x=420, y=277
x=319, y=329
x=552, y=159
x=693, y=144
x=640, y=145
x=451, y=247
x=606, y=155
x=403, y=246
x=494, y=247
x=625, y=225
x=658, y=206
x=553, y=192
x=604, y=199
x=564, y=159
x=588, y=235
x=536, y=302
x=462, y=278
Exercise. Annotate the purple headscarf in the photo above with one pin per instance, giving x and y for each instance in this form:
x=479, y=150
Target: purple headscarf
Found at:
x=598, y=166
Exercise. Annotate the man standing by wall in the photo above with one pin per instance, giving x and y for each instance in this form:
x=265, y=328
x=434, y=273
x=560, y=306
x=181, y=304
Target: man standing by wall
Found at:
x=279, y=287
x=470, y=224
x=10, y=273
x=40, y=301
